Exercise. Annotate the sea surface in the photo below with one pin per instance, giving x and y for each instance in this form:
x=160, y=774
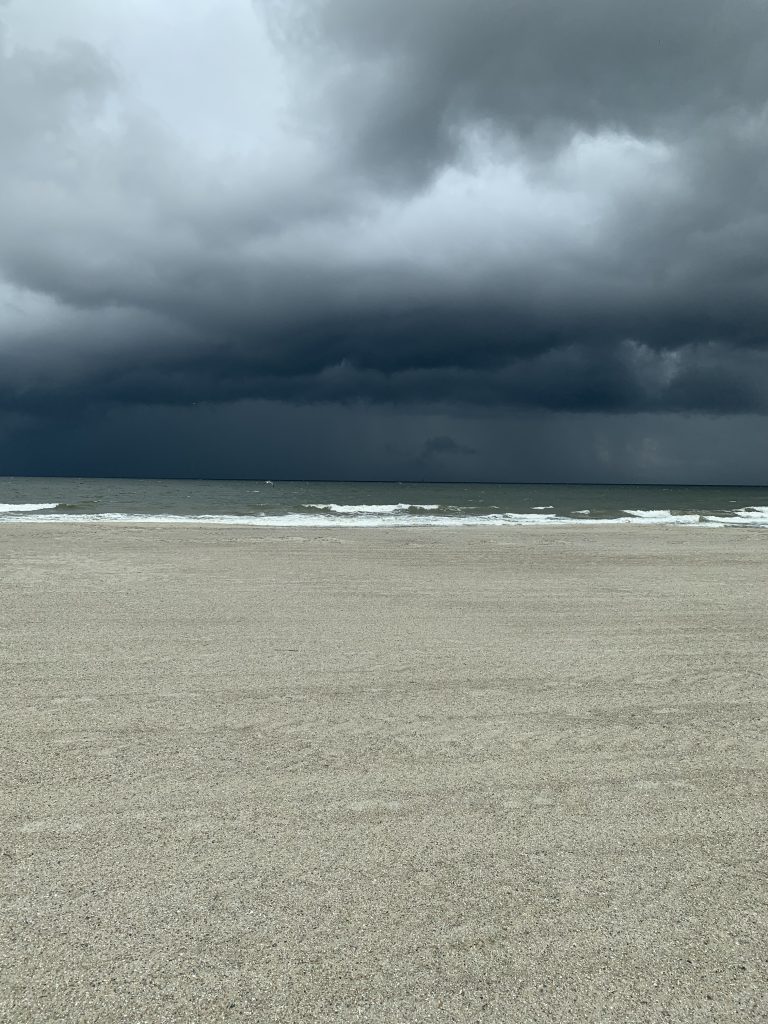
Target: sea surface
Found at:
x=296, y=503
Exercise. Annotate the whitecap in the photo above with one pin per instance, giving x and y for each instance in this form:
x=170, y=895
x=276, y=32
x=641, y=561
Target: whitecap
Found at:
x=660, y=516
x=16, y=507
x=751, y=515
x=370, y=510
x=384, y=515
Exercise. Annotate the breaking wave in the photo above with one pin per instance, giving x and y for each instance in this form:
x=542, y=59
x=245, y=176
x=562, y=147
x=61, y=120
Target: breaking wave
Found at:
x=660, y=516
x=371, y=510
x=390, y=515
x=16, y=507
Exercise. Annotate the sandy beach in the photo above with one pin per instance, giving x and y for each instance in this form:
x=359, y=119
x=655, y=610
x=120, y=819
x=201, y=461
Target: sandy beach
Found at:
x=394, y=775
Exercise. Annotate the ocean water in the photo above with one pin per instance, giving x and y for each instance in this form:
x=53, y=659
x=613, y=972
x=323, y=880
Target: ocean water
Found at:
x=295, y=503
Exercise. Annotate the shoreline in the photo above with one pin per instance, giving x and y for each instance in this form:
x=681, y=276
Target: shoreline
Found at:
x=589, y=525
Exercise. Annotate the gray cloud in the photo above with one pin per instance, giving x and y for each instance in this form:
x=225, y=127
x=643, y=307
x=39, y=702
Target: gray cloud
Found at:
x=405, y=80
x=523, y=208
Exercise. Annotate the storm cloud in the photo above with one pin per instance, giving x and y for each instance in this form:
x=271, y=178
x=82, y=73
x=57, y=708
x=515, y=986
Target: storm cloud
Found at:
x=442, y=224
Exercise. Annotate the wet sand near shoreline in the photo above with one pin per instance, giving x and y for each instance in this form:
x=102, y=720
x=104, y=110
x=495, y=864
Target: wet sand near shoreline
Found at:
x=384, y=775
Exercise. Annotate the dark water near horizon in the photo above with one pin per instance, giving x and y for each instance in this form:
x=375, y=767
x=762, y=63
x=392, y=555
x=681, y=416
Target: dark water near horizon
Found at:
x=312, y=503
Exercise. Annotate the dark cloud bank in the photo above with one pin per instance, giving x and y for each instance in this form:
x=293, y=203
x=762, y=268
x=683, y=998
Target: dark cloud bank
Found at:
x=424, y=238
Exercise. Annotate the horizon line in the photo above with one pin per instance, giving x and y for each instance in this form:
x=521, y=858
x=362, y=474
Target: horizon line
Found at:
x=360, y=480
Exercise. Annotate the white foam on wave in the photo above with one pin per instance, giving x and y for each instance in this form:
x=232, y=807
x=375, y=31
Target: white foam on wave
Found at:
x=751, y=515
x=660, y=516
x=648, y=513
x=394, y=516
x=16, y=507
x=539, y=507
x=373, y=510
x=754, y=515
x=121, y=517
x=292, y=519
x=403, y=519
x=581, y=512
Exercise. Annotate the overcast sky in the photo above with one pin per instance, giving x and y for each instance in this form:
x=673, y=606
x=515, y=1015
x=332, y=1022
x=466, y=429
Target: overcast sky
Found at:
x=431, y=239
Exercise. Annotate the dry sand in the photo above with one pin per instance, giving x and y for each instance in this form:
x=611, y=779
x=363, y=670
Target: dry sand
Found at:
x=384, y=775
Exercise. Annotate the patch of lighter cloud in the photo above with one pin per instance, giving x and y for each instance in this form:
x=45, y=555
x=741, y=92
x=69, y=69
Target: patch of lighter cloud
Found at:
x=501, y=210
x=23, y=311
x=656, y=369
x=210, y=70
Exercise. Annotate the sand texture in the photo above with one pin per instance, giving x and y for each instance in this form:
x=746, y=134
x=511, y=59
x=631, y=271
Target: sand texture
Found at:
x=499, y=775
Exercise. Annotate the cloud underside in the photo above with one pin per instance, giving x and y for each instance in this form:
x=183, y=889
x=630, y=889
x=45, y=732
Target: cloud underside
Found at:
x=531, y=206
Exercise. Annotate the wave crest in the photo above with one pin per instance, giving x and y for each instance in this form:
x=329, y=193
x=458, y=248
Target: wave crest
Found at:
x=21, y=507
